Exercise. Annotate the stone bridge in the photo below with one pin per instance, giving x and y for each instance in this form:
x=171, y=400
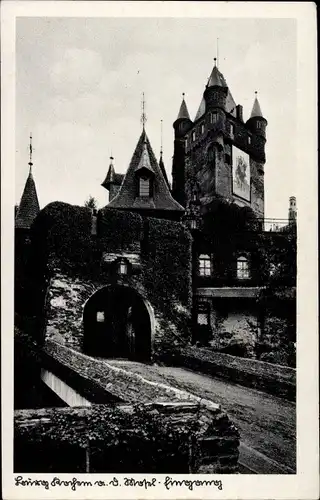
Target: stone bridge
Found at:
x=266, y=422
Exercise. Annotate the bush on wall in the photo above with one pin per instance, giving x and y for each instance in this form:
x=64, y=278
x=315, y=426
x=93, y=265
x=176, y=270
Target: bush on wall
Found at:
x=167, y=270
x=156, y=444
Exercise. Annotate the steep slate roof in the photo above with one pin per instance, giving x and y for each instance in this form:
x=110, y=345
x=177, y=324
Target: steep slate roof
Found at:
x=29, y=205
x=256, y=110
x=126, y=197
x=183, y=111
x=217, y=79
x=112, y=177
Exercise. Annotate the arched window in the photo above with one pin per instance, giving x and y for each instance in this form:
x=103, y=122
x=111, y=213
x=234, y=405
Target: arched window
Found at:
x=144, y=186
x=204, y=265
x=243, y=271
x=193, y=136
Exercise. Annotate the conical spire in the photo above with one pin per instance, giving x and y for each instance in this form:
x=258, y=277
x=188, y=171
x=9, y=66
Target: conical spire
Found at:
x=256, y=109
x=216, y=78
x=161, y=164
x=29, y=204
x=183, y=111
x=110, y=175
x=201, y=109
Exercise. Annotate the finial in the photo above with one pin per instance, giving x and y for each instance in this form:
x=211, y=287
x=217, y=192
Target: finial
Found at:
x=183, y=94
x=143, y=114
x=161, y=140
x=30, y=153
x=256, y=92
x=217, y=59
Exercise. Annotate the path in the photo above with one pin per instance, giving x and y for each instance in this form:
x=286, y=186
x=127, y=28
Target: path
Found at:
x=266, y=423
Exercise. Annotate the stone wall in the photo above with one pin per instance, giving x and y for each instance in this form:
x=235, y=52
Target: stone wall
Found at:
x=274, y=379
x=212, y=447
x=78, y=263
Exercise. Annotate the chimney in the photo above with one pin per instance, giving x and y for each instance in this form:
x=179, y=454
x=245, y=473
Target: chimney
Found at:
x=239, y=111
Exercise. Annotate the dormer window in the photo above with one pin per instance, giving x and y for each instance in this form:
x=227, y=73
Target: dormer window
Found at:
x=144, y=186
x=243, y=271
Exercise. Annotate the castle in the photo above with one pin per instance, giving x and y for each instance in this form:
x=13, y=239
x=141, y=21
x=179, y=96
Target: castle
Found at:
x=159, y=266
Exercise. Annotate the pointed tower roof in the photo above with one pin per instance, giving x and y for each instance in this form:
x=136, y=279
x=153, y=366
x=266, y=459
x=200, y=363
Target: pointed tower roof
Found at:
x=29, y=204
x=183, y=111
x=201, y=110
x=256, y=109
x=127, y=199
x=163, y=170
x=216, y=78
x=112, y=177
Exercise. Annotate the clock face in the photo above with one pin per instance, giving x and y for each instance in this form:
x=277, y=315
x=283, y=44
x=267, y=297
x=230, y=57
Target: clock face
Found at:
x=241, y=173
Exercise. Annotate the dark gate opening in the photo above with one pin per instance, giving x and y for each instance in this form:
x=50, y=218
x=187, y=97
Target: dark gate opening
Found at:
x=117, y=324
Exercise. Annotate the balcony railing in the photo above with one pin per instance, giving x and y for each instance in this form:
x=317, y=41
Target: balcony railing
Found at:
x=277, y=225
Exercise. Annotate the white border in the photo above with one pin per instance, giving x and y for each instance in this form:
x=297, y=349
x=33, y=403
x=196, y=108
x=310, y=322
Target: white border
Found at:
x=303, y=485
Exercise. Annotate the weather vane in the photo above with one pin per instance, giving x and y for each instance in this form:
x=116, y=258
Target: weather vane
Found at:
x=161, y=150
x=143, y=115
x=30, y=151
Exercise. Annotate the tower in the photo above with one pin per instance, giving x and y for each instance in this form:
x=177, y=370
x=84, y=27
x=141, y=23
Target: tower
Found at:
x=29, y=205
x=218, y=155
x=181, y=126
x=112, y=181
x=292, y=215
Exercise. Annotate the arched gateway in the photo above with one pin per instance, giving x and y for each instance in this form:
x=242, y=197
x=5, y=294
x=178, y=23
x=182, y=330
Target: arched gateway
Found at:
x=118, y=323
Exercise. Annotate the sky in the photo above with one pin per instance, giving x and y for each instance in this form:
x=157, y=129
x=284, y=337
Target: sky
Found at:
x=79, y=85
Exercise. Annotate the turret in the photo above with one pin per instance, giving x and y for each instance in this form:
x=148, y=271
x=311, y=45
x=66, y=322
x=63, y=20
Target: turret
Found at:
x=183, y=123
x=181, y=126
x=257, y=123
x=112, y=181
x=29, y=205
x=292, y=215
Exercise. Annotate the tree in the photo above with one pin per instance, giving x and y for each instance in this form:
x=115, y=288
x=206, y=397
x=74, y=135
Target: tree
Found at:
x=91, y=203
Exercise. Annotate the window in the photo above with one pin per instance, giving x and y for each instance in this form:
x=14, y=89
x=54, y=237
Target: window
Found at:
x=193, y=224
x=144, y=186
x=186, y=143
x=122, y=267
x=243, y=271
x=213, y=117
x=231, y=129
x=193, y=136
x=203, y=313
x=249, y=140
x=100, y=316
x=202, y=128
x=259, y=125
x=204, y=265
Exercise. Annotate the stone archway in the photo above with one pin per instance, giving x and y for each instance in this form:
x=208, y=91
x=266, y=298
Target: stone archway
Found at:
x=118, y=323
